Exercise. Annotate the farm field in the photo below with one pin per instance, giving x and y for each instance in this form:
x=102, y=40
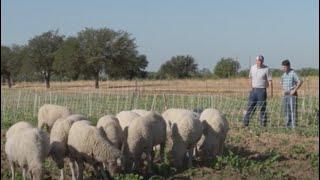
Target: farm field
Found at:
x=273, y=152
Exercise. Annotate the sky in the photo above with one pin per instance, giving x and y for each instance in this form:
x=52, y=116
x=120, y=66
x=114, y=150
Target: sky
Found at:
x=207, y=30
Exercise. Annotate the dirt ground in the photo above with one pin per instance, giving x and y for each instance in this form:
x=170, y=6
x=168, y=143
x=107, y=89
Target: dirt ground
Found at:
x=297, y=157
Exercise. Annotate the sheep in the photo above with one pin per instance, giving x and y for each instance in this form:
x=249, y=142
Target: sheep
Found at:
x=142, y=134
x=87, y=144
x=140, y=112
x=17, y=128
x=215, y=128
x=49, y=113
x=125, y=118
x=28, y=149
x=58, y=140
x=184, y=129
x=110, y=126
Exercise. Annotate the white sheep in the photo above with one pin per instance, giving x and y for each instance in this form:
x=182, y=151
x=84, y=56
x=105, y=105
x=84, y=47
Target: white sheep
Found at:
x=18, y=127
x=49, y=113
x=28, y=149
x=183, y=132
x=87, y=144
x=59, y=138
x=141, y=112
x=110, y=126
x=215, y=128
x=125, y=118
x=143, y=133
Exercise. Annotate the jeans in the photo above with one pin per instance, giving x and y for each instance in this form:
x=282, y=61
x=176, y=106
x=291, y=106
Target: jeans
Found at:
x=257, y=97
x=289, y=104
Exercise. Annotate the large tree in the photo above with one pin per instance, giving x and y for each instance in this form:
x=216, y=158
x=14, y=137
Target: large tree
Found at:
x=95, y=44
x=11, y=62
x=69, y=60
x=226, y=67
x=42, y=52
x=123, y=58
x=179, y=67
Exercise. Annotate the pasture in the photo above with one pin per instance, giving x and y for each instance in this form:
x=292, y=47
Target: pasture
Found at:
x=254, y=153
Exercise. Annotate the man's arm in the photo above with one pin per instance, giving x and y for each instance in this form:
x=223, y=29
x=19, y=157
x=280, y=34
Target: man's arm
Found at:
x=299, y=84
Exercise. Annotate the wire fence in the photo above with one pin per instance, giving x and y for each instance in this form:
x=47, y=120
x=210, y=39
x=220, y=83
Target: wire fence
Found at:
x=22, y=104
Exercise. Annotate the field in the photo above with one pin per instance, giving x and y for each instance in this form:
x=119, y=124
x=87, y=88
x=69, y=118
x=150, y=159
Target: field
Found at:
x=254, y=153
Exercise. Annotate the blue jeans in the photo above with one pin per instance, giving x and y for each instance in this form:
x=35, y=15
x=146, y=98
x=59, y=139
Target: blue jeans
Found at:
x=289, y=104
x=257, y=97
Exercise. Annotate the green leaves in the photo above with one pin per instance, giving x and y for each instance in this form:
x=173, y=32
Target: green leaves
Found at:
x=226, y=67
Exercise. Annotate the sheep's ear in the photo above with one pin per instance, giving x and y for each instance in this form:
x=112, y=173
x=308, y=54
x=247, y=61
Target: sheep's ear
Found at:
x=125, y=133
x=174, y=129
x=205, y=127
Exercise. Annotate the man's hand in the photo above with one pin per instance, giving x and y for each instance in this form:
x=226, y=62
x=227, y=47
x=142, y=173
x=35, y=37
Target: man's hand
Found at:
x=292, y=92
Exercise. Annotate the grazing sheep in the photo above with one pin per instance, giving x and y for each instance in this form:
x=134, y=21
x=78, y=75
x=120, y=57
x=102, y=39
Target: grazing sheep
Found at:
x=125, y=118
x=49, y=113
x=110, y=126
x=17, y=128
x=28, y=149
x=143, y=133
x=87, y=144
x=215, y=128
x=141, y=112
x=183, y=132
x=59, y=138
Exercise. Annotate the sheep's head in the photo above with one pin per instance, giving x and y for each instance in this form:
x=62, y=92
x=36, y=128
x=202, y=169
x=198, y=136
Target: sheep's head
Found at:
x=115, y=165
x=176, y=147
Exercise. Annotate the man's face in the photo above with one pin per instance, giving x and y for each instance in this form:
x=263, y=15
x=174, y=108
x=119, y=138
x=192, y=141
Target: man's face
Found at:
x=285, y=68
x=259, y=62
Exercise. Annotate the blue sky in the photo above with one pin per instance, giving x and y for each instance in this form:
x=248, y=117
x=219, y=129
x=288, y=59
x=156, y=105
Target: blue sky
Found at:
x=207, y=29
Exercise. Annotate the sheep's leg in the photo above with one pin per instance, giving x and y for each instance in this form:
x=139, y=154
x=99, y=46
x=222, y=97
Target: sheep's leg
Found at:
x=162, y=148
x=190, y=153
x=24, y=170
x=72, y=167
x=80, y=170
x=150, y=162
x=61, y=174
x=12, y=169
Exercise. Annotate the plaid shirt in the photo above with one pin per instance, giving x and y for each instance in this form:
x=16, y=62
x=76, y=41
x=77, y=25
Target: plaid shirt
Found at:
x=289, y=80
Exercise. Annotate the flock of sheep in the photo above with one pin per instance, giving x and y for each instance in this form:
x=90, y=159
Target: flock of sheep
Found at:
x=120, y=143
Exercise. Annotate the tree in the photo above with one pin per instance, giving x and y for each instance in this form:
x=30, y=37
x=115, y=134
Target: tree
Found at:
x=124, y=60
x=179, y=67
x=69, y=60
x=96, y=45
x=226, y=67
x=6, y=60
x=11, y=62
x=42, y=52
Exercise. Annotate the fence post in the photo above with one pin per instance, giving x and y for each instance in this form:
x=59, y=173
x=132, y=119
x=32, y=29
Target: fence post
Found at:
x=34, y=104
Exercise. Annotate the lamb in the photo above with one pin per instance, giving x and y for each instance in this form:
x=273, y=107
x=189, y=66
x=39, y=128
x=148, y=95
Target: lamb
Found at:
x=58, y=140
x=87, y=144
x=17, y=128
x=28, y=149
x=215, y=128
x=184, y=129
x=110, y=126
x=143, y=133
x=140, y=112
x=49, y=113
x=125, y=118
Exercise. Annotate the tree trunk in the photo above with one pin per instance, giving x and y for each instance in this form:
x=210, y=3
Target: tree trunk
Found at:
x=9, y=81
x=97, y=81
x=47, y=80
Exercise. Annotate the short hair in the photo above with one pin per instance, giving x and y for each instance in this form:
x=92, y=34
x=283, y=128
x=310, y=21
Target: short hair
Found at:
x=285, y=62
x=260, y=57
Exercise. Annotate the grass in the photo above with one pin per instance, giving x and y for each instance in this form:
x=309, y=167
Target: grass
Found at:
x=261, y=153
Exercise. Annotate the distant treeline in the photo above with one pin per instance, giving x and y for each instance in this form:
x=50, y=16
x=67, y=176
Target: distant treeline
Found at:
x=101, y=54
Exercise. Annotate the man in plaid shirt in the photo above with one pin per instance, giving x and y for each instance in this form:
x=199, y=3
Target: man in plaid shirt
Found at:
x=290, y=82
